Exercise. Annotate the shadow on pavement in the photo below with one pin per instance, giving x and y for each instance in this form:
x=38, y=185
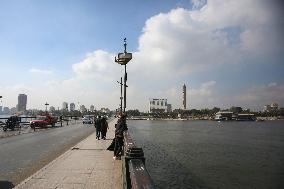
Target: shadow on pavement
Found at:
x=6, y=185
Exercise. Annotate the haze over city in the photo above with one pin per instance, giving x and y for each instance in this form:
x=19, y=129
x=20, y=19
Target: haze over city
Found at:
x=228, y=53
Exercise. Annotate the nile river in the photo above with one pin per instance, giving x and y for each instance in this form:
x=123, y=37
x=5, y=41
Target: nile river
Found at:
x=208, y=154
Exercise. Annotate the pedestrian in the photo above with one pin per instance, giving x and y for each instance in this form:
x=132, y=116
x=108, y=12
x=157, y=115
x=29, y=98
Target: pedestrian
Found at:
x=98, y=125
x=119, y=129
x=104, y=128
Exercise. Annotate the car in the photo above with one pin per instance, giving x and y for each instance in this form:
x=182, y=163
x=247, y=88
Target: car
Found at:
x=43, y=121
x=87, y=120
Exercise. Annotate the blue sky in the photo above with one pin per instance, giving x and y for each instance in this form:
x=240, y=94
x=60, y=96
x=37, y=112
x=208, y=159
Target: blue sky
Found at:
x=59, y=51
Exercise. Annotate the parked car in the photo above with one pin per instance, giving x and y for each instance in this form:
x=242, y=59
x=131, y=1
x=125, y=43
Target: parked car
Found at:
x=43, y=121
x=87, y=120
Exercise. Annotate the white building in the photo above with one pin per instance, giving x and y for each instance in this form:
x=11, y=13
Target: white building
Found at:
x=158, y=105
x=274, y=106
x=72, y=106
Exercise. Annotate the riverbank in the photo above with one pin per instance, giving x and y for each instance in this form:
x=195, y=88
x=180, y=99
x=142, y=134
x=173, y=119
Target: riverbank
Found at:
x=199, y=118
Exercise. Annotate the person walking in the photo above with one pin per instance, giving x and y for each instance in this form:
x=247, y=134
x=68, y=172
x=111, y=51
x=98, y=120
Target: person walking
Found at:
x=98, y=125
x=119, y=129
x=104, y=128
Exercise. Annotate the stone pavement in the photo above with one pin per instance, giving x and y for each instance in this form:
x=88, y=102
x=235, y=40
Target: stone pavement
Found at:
x=86, y=165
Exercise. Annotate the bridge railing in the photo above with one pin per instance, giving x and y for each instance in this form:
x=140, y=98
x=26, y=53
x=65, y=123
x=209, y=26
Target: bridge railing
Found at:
x=135, y=174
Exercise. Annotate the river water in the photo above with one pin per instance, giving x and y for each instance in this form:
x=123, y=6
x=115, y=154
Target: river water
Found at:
x=208, y=154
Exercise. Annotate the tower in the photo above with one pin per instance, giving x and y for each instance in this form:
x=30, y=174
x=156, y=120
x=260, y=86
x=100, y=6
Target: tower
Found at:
x=184, y=96
x=22, y=102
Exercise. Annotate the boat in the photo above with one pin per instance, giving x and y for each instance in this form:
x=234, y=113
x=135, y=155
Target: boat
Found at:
x=223, y=116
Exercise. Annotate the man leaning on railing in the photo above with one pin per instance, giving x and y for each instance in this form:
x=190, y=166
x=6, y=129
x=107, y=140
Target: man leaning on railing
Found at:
x=119, y=129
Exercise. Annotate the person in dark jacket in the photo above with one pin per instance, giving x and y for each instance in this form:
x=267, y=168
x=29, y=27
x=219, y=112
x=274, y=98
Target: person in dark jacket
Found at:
x=104, y=128
x=119, y=129
x=98, y=125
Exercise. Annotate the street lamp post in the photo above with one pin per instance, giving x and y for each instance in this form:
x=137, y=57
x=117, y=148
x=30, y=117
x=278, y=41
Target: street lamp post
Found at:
x=46, y=104
x=121, y=98
x=123, y=59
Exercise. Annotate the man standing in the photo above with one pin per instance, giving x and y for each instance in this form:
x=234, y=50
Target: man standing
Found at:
x=119, y=129
x=98, y=125
x=104, y=128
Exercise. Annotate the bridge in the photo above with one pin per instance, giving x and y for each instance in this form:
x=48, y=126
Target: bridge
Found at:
x=89, y=165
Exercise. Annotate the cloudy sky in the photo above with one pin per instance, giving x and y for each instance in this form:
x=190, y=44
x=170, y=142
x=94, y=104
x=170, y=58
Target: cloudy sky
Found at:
x=227, y=52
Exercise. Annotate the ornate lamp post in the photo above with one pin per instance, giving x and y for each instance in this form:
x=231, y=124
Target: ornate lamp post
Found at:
x=123, y=59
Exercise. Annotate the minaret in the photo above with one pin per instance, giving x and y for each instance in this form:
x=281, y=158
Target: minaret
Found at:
x=184, y=96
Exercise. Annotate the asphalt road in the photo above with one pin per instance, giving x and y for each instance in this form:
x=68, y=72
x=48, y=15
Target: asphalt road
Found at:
x=23, y=154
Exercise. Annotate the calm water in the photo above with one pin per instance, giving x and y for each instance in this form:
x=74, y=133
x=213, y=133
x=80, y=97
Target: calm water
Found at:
x=208, y=154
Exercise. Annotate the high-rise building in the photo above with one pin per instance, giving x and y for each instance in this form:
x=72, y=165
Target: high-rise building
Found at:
x=184, y=96
x=72, y=106
x=22, y=102
x=65, y=106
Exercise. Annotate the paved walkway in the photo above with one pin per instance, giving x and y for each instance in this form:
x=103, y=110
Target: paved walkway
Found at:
x=86, y=165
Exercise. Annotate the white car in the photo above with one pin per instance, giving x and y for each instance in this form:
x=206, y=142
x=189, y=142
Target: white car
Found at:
x=87, y=120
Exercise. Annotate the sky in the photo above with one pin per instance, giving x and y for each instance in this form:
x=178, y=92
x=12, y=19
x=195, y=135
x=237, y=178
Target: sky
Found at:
x=228, y=53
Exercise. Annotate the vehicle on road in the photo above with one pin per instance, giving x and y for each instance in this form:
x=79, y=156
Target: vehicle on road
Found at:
x=88, y=120
x=43, y=121
x=12, y=123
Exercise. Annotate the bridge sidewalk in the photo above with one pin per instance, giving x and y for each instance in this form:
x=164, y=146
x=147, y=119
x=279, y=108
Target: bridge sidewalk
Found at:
x=86, y=165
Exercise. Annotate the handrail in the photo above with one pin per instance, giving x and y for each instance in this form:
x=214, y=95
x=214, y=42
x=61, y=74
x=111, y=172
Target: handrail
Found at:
x=135, y=173
x=139, y=176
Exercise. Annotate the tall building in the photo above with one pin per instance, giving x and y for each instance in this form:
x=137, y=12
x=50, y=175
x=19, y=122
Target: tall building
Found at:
x=72, y=106
x=22, y=102
x=184, y=96
x=0, y=109
x=65, y=106
x=158, y=105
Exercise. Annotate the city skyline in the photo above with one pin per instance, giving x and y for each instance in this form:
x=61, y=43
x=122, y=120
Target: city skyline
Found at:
x=64, y=52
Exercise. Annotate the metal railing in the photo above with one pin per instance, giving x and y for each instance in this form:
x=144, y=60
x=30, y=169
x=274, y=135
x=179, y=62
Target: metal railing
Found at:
x=135, y=174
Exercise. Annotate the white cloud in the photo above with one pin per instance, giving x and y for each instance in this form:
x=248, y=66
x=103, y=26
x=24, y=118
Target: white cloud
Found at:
x=197, y=4
x=174, y=45
x=258, y=96
x=96, y=64
x=40, y=71
x=180, y=42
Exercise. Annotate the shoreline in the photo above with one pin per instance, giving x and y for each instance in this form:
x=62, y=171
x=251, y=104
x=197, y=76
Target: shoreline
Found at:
x=200, y=119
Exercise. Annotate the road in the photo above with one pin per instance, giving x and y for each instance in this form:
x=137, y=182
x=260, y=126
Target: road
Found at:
x=23, y=154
